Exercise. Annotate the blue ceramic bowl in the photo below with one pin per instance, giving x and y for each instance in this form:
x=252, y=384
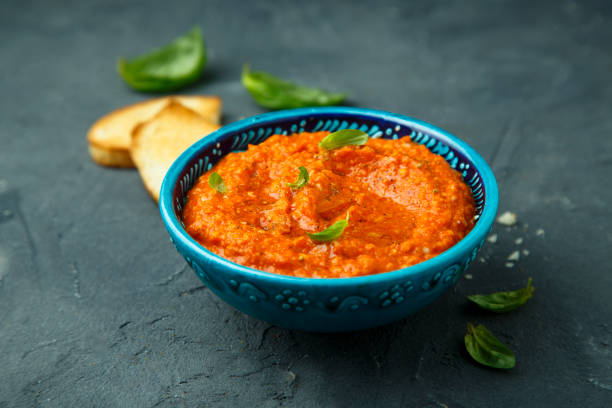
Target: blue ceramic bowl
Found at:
x=328, y=305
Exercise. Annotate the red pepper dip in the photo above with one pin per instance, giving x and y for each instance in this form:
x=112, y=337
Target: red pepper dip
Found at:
x=404, y=205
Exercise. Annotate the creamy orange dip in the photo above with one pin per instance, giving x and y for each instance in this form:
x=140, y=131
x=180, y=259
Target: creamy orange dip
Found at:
x=404, y=205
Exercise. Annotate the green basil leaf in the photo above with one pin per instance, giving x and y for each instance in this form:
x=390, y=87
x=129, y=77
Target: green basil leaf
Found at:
x=486, y=349
x=216, y=182
x=302, y=179
x=168, y=68
x=275, y=93
x=331, y=233
x=344, y=137
x=501, y=302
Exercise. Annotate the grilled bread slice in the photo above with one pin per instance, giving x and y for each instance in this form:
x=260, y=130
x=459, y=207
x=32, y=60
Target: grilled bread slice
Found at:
x=159, y=141
x=110, y=136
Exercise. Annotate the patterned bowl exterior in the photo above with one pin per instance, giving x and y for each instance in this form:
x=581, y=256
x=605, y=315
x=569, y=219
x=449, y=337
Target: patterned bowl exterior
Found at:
x=328, y=305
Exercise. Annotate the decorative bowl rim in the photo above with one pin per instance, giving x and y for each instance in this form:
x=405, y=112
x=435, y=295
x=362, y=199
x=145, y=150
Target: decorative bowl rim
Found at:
x=443, y=260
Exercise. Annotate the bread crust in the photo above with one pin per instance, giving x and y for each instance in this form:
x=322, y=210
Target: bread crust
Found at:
x=157, y=143
x=110, y=136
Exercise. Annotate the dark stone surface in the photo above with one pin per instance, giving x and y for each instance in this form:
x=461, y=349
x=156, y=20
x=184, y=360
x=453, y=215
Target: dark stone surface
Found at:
x=98, y=309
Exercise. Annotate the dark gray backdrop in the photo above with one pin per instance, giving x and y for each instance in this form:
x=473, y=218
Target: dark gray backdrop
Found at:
x=97, y=308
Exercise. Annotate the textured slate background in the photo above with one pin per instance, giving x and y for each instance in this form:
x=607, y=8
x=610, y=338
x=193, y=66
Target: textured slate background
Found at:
x=97, y=308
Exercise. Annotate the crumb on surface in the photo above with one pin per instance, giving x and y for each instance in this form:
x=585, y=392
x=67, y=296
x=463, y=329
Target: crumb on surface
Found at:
x=518, y=241
x=509, y=264
x=508, y=219
x=514, y=256
x=526, y=252
x=539, y=232
x=468, y=276
x=492, y=238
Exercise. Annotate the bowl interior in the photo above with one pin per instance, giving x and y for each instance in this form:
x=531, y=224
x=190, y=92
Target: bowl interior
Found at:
x=203, y=155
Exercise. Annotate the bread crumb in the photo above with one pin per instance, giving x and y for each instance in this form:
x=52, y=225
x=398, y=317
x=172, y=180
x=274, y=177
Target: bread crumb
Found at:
x=515, y=256
x=525, y=252
x=509, y=264
x=540, y=232
x=492, y=238
x=482, y=260
x=518, y=241
x=468, y=276
x=508, y=219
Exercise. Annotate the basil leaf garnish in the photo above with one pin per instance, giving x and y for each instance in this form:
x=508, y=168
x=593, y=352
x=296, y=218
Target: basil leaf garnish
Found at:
x=344, y=137
x=331, y=233
x=501, y=302
x=302, y=179
x=275, y=93
x=168, y=68
x=216, y=182
x=486, y=349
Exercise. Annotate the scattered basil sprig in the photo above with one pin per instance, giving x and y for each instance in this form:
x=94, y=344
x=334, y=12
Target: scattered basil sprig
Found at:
x=173, y=66
x=344, y=137
x=275, y=93
x=502, y=302
x=486, y=349
x=302, y=179
x=216, y=182
x=330, y=233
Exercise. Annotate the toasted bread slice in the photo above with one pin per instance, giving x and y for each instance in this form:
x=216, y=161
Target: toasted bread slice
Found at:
x=110, y=136
x=159, y=141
